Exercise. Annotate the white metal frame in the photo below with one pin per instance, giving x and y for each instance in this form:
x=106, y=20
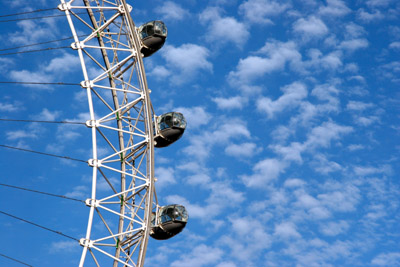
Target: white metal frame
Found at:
x=122, y=123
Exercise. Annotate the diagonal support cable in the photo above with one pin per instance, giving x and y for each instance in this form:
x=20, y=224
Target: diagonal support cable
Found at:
x=42, y=153
x=39, y=192
x=10, y=258
x=37, y=225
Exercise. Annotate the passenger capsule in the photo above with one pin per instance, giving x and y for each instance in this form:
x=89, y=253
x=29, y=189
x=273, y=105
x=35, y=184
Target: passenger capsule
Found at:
x=152, y=35
x=169, y=222
x=169, y=128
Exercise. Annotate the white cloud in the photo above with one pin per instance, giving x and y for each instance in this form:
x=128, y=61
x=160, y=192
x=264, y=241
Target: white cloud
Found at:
x=195, y=116
x=201, y=255
x=387, y=259
x=311, y=27
x=20, y=134
x=354, y=44
x=369, y=170
x=47, y=72
x=231, y=102
x=249, y=238
x=391, y=71
x=226, y=264
x=245, y=150
x=231, y=129
x=165, y=177
x=261, y=11
x=358, y=105
x=366, y=121
x=291, y=152
x=28, y=76
x=223, y=194
x=286, y=230
x=320, y=62
x=220, y=133
x=67, y=133
x=369, y=17
x=65, y=63
x=63, y=246
x=186, y=61
x=309, y=207
x=395, y=45
x=324, y=165
x=293, y=94
x=351, y=67
x=159, y=73
x=199, y=211
x=31, y=131
x=47, y=115
x=307, y=113
x=321, y=136
x=282, y=133
x=103, y=186
x=354, y=31
x=43, y=31
x=354, y=147
x=340, y=197
x=334, y=228
x=264, y=172
x=198, y=179
x=294, y=182
x=334, y=8
x=378, y=3
x=328, y=93
x=171, y=11
x=6, y=64
x=11, y=107
x=223, y=29
x=253, y=67
x=80, y=192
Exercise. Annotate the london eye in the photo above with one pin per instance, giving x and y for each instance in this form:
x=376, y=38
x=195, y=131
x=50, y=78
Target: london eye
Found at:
x=124, y=130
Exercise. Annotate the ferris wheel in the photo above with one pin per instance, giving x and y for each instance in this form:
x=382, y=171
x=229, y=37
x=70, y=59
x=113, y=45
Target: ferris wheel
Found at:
x=123, y=207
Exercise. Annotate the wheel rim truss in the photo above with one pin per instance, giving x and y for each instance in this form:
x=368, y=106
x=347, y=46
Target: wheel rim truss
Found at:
x=122, y=131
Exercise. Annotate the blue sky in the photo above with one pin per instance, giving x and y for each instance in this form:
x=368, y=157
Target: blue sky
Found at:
x=290, y=157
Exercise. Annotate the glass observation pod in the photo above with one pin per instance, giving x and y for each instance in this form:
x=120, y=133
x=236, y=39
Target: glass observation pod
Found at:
x=169, y=221
x=152, y=35
x=169, y=128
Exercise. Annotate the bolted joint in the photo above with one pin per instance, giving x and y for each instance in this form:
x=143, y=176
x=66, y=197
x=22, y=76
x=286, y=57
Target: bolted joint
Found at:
x=64, y=6
x=92, y=202
x=147, y=182
x=86, y=84
x=94, y=163
x=92, y=123
x=77, y=45
x=86, y=242
x=121, y=8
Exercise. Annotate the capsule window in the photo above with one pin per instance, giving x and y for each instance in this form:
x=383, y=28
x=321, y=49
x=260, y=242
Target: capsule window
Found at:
x=153, y=28
x=160, y=28
x=171, y=120
x=179, y=120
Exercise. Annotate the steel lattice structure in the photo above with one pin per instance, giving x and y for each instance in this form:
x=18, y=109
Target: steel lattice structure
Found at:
x=121, y=122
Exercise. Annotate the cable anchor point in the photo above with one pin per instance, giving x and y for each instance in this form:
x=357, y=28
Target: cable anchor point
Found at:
x=86, y=242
